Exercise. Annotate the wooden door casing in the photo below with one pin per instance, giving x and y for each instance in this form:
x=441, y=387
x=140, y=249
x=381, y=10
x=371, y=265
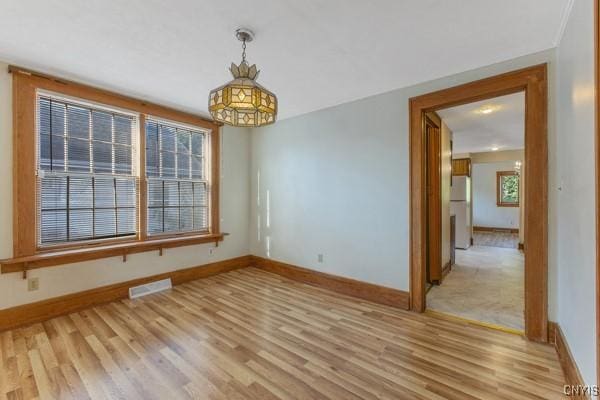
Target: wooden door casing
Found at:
x=434, y=201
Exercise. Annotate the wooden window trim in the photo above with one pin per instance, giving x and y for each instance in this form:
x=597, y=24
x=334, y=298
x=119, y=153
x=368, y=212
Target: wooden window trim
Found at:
x=67, y=256
x=499, y=202
x=26, y=84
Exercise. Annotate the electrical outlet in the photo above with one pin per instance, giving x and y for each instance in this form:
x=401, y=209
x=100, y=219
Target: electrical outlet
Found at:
x=212, y=251
x=33, y=284
x=320, y=258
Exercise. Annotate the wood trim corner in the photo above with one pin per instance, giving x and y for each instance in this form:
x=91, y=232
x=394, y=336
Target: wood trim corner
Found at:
x=533, y=81
x=43, y=310
x=367, y=291
x=567, y=362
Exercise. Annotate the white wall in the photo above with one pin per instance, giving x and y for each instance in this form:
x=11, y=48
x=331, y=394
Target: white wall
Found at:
x=71, y=278
x=575, y=188
x=337, y=183
x=485, y=211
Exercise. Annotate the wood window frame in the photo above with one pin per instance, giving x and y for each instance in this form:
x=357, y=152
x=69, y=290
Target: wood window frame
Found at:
x=26, y=252
x=499, y=202
x=534, y=82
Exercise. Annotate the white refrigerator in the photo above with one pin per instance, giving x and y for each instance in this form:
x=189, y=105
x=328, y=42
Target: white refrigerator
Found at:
x=460, y=206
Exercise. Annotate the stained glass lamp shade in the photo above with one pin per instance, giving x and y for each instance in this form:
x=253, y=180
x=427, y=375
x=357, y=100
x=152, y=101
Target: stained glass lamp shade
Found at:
x=242, y=101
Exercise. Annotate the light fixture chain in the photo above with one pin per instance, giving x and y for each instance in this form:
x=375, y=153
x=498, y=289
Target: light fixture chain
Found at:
x=244, y=50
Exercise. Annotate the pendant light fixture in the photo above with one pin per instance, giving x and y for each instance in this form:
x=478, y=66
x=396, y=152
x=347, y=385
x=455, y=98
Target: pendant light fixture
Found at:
x=243, y=102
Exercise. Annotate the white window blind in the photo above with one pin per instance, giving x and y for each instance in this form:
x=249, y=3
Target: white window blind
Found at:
x=87, y=186
x=176, y=165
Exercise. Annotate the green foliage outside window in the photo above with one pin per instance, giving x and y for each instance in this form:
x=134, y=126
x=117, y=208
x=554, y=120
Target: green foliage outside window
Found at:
x=509, y=189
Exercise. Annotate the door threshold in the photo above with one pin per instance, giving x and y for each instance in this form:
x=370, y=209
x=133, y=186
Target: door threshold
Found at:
x=488, y=325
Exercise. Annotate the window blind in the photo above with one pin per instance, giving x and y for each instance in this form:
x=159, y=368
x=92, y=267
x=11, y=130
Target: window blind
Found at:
x=176, y=175
x=87, y=187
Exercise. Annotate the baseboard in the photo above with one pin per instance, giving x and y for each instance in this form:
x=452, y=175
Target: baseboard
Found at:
x=494, y=229
x=367, y=291
x=46, y=309
x=567, y=362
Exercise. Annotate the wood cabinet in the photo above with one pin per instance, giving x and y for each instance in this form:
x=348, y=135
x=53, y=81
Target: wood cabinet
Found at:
x=461, y=167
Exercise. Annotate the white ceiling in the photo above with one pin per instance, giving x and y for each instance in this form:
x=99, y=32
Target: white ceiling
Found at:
x=474, y=132
x=312, y=53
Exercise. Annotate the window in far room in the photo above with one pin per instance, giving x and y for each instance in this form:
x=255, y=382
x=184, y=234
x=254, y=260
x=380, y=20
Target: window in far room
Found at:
x=507, y=189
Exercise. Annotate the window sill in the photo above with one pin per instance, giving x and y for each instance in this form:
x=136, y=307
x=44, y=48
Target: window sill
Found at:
x=68, y=256
x=507, y=204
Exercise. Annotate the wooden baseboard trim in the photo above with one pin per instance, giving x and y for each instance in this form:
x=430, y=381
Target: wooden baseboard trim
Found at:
x=494, y=229
x=567, y=362
x=43, y=310
x=367, y=291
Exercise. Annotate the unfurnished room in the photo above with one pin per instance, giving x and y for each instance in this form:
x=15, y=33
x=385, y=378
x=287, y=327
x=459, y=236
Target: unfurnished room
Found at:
x=317, y=199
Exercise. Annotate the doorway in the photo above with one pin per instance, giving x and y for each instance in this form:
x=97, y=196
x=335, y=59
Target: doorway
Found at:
x=533, y=82
x=481, y=190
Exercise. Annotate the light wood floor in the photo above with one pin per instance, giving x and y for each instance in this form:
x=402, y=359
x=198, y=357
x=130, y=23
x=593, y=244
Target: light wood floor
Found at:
x=248, y=334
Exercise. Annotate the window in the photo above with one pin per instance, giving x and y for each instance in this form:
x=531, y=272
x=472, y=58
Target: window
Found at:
x=98, y=174
x=86, y=176
x=176, y=175
x=507, y=189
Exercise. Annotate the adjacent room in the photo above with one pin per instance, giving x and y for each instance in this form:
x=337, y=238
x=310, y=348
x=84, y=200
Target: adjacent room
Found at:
x=484, y=261
x=299, y=200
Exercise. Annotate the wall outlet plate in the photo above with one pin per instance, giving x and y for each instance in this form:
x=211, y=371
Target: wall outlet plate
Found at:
x=320, y=258
x=33, y=284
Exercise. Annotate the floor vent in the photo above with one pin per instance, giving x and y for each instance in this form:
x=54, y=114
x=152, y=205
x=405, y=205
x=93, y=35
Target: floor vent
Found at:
x=149, y=288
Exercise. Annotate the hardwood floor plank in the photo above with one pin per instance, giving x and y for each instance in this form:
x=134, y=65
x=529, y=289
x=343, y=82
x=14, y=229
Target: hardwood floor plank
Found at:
x=249, y=334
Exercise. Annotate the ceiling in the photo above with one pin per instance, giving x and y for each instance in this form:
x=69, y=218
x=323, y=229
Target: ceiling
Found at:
x=474, y=130
x=313, y=53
